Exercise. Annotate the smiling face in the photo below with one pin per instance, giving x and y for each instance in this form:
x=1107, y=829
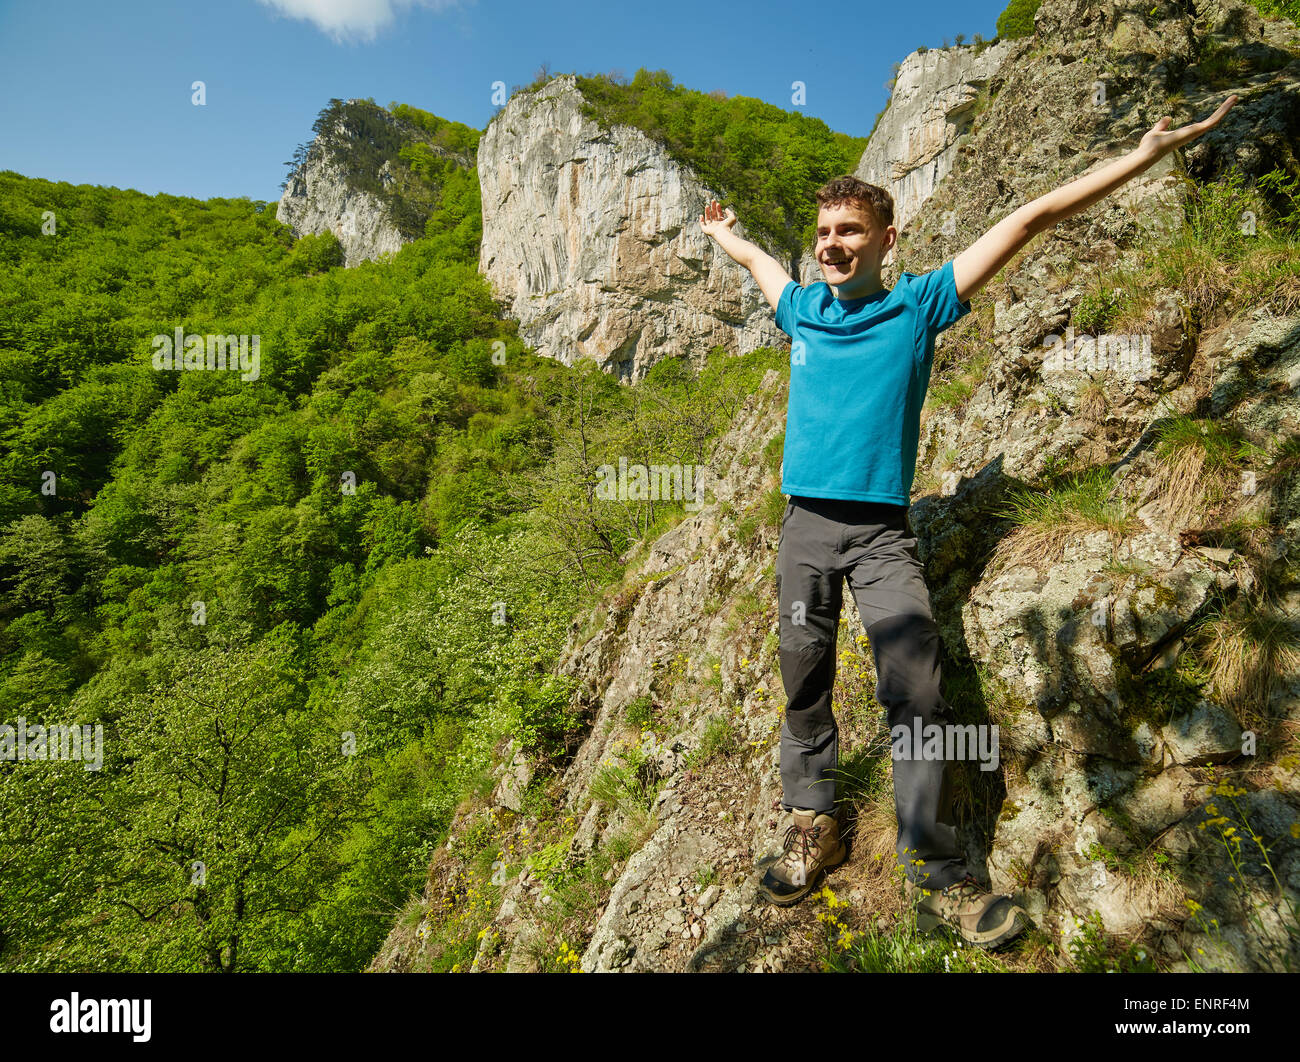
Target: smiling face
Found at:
x=850, y=248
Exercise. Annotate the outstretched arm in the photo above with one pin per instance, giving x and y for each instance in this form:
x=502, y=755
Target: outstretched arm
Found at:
x=771, y=278
x=980, y=262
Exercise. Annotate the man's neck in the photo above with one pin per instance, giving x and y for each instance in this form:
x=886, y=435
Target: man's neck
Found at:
x=844, y=294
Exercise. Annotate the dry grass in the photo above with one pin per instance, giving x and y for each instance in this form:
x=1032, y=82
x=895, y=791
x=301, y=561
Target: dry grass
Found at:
x=1201, y=277
x=1284, y=299
x=1182, y=495
x=1047, y=521
x=1203, y=471
x=1246, y=655
x=1272, y=275
x=1277, y=769
x=875, y=833
x=1092, y=399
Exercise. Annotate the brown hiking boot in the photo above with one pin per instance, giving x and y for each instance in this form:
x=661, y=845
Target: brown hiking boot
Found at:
x=983, y=918
x=811, y=845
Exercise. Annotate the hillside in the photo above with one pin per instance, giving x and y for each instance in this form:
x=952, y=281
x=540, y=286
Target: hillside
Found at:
x=279, y=591
x=387, y=679
x=378, y=179
x=1110, y=595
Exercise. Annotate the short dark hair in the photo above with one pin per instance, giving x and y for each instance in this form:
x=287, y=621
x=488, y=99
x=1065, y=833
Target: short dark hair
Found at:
x=869, y=197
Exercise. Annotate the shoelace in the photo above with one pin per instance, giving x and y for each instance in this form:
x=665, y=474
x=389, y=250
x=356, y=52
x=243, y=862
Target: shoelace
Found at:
x=805, y=838
x=968, y=886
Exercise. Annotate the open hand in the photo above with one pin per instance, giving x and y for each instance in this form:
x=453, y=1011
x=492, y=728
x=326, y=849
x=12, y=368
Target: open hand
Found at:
x=1160, y=139
x=712, y=221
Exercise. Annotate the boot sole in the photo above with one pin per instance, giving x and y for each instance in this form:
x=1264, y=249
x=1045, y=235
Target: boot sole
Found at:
x=928, y=923
x=790, y=901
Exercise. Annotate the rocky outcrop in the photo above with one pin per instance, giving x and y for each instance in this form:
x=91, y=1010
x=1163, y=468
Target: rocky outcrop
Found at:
x=928, y=117
x=931, y=109
x=321, y=195
x=318, y=199
x=591, y=237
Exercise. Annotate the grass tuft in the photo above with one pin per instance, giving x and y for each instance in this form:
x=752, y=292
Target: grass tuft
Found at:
x=1246, y=656
x=1047, y=520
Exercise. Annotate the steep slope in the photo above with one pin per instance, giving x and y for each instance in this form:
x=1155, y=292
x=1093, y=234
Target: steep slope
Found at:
x=1110, y=554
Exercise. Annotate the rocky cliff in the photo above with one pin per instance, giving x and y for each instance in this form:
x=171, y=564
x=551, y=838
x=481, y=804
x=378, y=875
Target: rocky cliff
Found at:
x=932, y=107
x=591, y=238
x=318, y=200
x=331, y=188
x=1132, y=637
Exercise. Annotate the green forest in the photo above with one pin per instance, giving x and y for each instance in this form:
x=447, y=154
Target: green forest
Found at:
x=305, y=605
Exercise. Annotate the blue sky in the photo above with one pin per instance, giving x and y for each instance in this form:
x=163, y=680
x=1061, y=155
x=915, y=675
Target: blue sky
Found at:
x=99, y=91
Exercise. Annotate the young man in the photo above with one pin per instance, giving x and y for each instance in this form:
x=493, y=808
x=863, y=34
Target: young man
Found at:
x=859, y=367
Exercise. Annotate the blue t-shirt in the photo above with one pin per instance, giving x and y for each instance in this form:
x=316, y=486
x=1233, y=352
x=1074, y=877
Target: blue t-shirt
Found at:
x=858, y=374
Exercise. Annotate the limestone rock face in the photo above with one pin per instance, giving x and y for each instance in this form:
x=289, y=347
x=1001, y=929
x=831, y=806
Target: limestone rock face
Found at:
x=318, y=200
x=591, y=238
x=914, y=144
x=913, y=147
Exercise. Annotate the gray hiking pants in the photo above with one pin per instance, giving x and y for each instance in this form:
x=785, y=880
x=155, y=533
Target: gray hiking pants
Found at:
x=823, y=541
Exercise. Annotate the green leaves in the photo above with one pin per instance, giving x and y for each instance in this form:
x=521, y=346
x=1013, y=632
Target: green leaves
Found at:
x=1018, y=19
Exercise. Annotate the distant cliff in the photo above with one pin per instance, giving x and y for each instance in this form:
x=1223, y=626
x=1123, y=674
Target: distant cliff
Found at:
x=591, y=238
x=356, y=180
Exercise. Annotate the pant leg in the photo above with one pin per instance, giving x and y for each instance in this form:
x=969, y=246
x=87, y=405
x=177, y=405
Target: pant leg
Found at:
x=809, y=590
x=888, y=584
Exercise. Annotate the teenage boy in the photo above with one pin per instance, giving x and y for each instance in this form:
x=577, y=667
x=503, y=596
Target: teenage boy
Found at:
x=860, y=363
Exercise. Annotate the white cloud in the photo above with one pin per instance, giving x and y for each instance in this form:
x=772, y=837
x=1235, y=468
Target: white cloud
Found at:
x=352, y=19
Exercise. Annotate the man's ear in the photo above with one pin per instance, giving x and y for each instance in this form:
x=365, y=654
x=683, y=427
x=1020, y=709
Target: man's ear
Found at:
x=891, y=238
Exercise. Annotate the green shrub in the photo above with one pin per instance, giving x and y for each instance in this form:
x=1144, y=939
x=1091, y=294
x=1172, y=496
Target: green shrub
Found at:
x=951, y=393
x=747, y=526
x=773, y=452
x=1279, y=9
x=640, y=713
x=1018, y=19
x=719, y=739
x=1222, y=444
x=1093, y=951
x=774, y=503
x=314, y=254
x=1096, y=310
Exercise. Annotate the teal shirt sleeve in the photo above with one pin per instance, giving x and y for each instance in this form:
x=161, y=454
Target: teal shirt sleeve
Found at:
x=936, y=292
x=785, y=308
